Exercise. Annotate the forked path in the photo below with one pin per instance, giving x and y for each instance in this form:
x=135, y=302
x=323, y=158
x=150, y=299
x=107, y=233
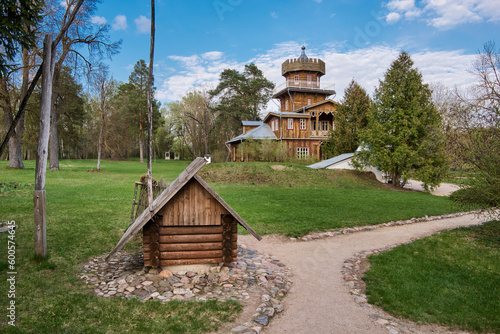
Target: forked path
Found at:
x=319, y=301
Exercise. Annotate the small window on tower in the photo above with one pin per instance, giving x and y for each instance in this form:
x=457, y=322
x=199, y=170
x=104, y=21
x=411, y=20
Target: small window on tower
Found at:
x=296, y=79
x=286, y=105
x=308, y=101
x=290, y=124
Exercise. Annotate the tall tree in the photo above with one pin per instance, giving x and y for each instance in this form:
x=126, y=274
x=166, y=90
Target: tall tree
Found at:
x=82, y=33
x=139, y=79
x=241, y=97
x=25, y=98
x=476, y=135
x=105, y=89
x=19, y=20
x=404, y=135
x=350, y=119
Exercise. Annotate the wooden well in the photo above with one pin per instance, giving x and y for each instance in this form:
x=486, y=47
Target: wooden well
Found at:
x=189, y=224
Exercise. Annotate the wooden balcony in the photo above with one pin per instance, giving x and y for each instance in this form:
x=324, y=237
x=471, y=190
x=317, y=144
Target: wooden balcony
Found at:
x=319, y=133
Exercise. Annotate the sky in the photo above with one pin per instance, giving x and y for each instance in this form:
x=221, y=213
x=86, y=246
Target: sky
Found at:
x=357, y=39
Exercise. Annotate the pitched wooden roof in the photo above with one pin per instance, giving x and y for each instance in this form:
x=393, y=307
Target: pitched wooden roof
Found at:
x=167, y=195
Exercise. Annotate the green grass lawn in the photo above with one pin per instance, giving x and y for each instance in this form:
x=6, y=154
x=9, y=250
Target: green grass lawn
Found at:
x=298, y=200
x=87, y=213
x=452, y=278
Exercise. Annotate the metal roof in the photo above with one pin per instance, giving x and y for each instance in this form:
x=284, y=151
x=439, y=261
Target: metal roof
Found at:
x=167, y=195
x=331, y=161
x=251, y=123
x=303, y=54
x=262, y=132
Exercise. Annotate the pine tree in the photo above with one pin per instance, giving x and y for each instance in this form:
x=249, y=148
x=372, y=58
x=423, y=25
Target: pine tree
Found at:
x=404, y=135
x=350, y=119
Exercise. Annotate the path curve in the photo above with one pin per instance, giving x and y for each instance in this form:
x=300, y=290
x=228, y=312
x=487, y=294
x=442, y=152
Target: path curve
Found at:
x=319, y=301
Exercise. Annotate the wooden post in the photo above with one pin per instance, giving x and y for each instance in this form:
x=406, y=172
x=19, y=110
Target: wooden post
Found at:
x=227, y=233
x=41, y=153
x=40, y=224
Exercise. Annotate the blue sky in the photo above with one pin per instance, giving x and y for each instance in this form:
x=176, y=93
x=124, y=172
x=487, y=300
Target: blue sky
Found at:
x=197, y=39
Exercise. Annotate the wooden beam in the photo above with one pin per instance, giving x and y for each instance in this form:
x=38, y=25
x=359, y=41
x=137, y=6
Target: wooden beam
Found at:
x=189, y=247
x=192, y=238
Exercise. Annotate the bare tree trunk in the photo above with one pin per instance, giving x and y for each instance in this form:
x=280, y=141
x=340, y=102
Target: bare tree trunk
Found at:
x=15, y=142
x=150, y=105
x=141, y=145
x=41, y=154
x=53, y=138
x=101, y=125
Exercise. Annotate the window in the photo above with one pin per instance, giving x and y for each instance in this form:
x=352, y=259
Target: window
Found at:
x=317, y=82
x=302, y=152
x=313, y=125
x=303, y=124
x=276, y=125
x=290, y=124
x=309, y=80
x=296, y=78
x=324, y=125
x=308, y=101
x=286, y=105
x=272, y=126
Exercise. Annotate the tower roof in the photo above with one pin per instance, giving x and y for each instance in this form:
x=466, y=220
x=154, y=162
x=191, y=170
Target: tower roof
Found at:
x=303, y=54
x=303, y=63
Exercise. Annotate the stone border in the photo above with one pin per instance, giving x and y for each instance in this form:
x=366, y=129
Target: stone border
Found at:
x=349, y=230
x=353, y=273
x=254, y=274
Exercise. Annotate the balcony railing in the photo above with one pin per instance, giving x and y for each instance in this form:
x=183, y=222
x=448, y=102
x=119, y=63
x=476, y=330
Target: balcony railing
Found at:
x=304, y=84
x=319, y=133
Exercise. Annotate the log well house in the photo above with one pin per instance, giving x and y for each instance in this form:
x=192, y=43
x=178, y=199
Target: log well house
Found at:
x=190, y=224
x=306, y=115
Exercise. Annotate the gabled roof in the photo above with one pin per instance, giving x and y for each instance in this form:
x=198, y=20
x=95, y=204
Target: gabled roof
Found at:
x=251, y=123
x=167, y=195
x=262, y=132
x=331, y=161
x=286, y=114
x=317, y=104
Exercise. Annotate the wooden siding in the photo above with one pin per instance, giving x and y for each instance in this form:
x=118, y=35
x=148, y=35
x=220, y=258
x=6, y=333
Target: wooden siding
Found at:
x=192, y=205
x=295, y=133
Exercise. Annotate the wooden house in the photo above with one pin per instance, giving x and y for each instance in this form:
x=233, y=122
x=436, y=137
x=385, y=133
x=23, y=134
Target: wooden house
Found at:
x=306, y=114
x=189, y=224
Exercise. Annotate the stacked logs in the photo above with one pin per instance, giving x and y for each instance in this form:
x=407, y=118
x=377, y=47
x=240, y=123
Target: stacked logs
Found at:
x=179, y=245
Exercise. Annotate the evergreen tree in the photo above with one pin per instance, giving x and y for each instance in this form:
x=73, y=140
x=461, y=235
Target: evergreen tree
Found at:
x=351, y=118
x=404, y=135
x=241, y=97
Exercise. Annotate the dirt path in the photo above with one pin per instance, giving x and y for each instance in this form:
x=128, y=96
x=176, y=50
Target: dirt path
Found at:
x=319, y=301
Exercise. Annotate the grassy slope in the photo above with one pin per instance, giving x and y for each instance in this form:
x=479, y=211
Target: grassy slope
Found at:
x=298, y=200
x=452, y=278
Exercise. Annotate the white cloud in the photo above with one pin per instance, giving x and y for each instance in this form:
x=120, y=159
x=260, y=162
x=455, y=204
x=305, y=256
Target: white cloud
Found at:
x=446, y=14
x=143, y=24
x=401, y=5
x=212, y=55
x=274, y=15
x=392, y=17
x=120, y=22
x=367, y=66
x=99, y=20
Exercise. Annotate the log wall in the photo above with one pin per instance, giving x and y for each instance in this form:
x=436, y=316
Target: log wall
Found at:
x=178, y=245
